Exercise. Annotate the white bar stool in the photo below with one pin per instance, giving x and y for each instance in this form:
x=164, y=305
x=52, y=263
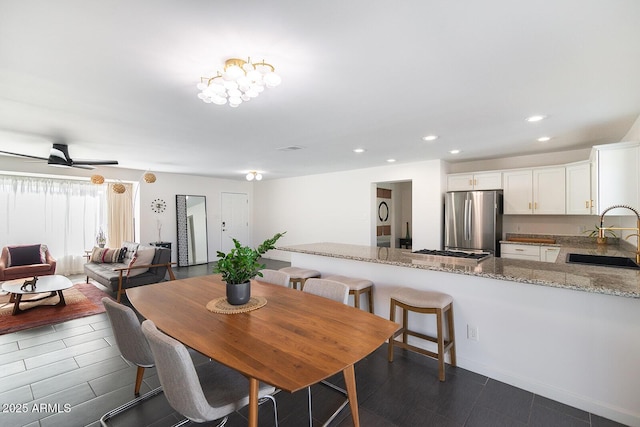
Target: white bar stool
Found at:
x=299, y=275
x=427, y=302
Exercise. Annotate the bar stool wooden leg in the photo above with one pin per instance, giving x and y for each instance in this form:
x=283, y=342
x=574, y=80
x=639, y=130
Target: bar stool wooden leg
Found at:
x=452, y=335
x=370, y=292
x=356, y=298
x=392, y=317
x=405, y=322
x=440, y=337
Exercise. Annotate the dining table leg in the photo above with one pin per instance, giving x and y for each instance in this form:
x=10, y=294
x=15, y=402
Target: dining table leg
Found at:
x=253, y=402
x=350, y=381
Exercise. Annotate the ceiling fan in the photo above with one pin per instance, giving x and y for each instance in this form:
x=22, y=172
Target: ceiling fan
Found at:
x=59, y=156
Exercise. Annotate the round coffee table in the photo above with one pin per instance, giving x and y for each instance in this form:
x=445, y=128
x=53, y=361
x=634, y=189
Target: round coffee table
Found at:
x=53, y=284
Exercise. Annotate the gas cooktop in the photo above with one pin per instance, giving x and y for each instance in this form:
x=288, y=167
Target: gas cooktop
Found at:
x=455, y=254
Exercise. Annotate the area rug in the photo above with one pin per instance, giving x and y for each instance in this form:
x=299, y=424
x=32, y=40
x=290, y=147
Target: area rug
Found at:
x=83, y=299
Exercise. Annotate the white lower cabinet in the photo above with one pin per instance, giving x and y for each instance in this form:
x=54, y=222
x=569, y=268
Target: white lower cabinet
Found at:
x=529, y=252
x=549, y=254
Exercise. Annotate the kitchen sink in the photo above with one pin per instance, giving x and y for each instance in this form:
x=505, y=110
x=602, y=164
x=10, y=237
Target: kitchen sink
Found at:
x=602, y=260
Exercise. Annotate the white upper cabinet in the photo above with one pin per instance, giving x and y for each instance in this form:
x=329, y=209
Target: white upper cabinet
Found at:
x=518, y=192
x=538, y=191
x=617, y=176
x=578, y=179
x=474, y=181
x=549, y=191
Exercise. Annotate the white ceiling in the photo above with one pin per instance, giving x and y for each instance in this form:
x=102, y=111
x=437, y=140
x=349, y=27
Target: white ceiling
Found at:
x=117, y=80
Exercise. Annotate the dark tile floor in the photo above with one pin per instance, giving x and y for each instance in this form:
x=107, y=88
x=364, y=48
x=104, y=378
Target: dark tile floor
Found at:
x=71, y=373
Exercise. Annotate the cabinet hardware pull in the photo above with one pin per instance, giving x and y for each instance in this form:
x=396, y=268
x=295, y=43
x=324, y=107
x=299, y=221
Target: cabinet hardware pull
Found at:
x=475, y=181
x=586, y=204
x=470, y=182
x=529, y=205
x=591, y=203
x=519, y=250
x=535, y=205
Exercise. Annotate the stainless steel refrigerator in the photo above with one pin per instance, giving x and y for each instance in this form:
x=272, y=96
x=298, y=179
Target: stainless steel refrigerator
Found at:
x=473, y=221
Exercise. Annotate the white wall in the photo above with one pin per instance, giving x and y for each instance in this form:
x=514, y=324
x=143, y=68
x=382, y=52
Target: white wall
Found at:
x=634, y=132
x=339, y=207
x=166, y=187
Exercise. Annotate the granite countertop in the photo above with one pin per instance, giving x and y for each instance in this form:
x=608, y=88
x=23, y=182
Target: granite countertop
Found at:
x=621, y=282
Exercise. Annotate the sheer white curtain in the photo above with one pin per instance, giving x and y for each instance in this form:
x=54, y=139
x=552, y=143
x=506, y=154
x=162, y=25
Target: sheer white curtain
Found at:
x=63, y=214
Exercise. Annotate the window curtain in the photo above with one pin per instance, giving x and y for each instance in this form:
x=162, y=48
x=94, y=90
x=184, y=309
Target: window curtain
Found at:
x=120, y=216
x=63, y=214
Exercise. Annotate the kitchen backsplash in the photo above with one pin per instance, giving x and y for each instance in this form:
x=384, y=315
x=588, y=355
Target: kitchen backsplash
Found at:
x=563, y=225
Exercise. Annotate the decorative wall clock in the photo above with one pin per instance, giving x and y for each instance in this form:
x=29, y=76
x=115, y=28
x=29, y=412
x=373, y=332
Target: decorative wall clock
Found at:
x=158, y=205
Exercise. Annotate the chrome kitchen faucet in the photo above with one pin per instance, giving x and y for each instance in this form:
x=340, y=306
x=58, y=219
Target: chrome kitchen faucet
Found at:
x=637, y=228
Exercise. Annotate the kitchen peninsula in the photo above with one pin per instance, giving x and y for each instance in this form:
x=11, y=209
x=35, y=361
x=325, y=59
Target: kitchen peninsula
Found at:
x=567, y=332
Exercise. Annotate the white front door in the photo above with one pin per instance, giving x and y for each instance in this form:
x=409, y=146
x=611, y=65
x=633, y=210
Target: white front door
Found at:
x=234, y=220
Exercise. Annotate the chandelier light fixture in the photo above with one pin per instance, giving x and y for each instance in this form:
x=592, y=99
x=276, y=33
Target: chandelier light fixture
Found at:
x=240, y=82
x=254, y=175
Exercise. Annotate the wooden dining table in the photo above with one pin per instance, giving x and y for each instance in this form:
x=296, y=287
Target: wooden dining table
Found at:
x=294, y=341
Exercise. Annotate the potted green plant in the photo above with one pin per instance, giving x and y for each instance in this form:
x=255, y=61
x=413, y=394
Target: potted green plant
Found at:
x=596, y=233
x=240, y=265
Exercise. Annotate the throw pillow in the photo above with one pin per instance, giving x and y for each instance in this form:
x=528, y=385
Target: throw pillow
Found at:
x=122, y=254
x=96, y=254
x=24, y=255
x=105, y=255
x=144, y=256
x=131, y=248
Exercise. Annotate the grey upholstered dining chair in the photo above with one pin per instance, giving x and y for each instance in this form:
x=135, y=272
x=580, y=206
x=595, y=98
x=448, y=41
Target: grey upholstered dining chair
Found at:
x=201, y=393
x=327, y=288
x=338, y=292
x=133, y=347
x=274, y=276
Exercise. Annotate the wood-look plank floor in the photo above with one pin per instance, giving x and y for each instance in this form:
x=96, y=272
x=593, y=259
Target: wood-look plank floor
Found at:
x=71, y=373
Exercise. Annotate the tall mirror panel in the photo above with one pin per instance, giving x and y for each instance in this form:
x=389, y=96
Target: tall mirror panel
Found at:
x=191, y=214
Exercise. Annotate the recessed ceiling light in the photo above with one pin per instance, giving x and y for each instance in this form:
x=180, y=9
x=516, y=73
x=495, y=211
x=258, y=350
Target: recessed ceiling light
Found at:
x=430, y=137
x=533, y=119
x=391, y=160
x=454, y=151
x=544, y=139
x=358, y=150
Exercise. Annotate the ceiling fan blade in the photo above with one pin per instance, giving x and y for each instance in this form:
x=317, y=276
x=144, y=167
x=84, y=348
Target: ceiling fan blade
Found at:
x=59, y=156
x=94, y=162
x=23, y=155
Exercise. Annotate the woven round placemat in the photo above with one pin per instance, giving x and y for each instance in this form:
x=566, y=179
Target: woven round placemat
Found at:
x=220, y=305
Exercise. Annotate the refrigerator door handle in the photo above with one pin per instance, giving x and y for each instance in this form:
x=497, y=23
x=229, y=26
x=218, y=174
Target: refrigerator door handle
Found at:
x=466, y=220
x=469, y=222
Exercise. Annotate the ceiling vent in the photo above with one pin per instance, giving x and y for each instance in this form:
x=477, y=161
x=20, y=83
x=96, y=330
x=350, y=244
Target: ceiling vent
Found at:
x=290, y=148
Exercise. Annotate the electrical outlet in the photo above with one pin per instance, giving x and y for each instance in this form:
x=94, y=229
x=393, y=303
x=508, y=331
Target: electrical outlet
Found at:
x=472, y=333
